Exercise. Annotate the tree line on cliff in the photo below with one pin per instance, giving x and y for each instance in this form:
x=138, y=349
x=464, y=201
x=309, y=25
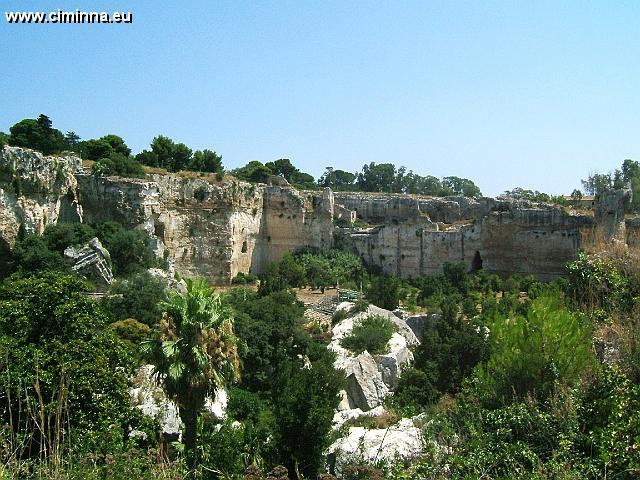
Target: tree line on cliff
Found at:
x=113, y=157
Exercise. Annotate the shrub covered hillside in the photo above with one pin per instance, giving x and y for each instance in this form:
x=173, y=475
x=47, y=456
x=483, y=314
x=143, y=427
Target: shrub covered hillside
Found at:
x=512, y=378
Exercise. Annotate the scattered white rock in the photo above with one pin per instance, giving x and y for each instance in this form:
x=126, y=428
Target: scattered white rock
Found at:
x=343, y=416
x=150, y=398
x=402, y=441
x=371, y=378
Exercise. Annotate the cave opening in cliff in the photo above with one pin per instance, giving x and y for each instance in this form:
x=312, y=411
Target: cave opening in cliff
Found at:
x=244, y=247
x=476, y=263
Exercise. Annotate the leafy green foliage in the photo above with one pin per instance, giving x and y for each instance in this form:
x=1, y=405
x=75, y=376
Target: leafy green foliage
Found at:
x=62, y=235
x=371, y=334
x=384, y=291
x=270, y=327
x=337, y=179
x=254, y=171
x=119, y=165
x=244, y=278
x=32, y=254
x=38, y=134
x=304, y=399
x=139, y=297
x=449, y=351
x=597, y=283
x=174, y=157
x=195, y=354
x=531, y=355
x=104, y=147
x=610, y=414
x=48, y=330
x=129, y=249
x=386, y=177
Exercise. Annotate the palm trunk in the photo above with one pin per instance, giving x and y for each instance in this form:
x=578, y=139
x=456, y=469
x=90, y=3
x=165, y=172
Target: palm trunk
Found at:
x=189, y=416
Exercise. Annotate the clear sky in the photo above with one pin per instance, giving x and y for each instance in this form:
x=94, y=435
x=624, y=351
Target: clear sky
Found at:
x=532, y=94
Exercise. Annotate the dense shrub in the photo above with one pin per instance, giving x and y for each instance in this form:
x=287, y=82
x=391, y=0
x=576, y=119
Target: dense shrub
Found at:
x=384, y=291
x=531, y=355
x=271, y=330
x=55, y=347
x=129, y=249
x=120, y=165
x=138, y=297
x=32, y=254
x=371, y=334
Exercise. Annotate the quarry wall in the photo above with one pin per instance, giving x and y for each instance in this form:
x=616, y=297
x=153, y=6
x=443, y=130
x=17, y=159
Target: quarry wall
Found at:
x=220, y=228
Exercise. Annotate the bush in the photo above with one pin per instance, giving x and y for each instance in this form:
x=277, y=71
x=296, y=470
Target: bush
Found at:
x=129, y=249
x=384, y=291
x=137, y=297
x=62, y=235
x=361, y=305
x=120, y=165
x=31, y=254
x=532, y=355
x=55, y=345
x=371, y=334
x=244, y=279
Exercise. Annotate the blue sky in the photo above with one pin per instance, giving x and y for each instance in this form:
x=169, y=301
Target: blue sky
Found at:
x=530, y=94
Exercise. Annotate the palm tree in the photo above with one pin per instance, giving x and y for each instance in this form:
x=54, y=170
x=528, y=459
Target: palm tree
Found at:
x=195, y=354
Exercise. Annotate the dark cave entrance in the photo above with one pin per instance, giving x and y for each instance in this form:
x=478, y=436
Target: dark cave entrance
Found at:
x=476, y=263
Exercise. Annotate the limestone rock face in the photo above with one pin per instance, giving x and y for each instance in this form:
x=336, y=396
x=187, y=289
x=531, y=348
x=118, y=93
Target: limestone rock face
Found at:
x=91, y=260
x=36, y=191
x=216, y=228
x=371, y=378
x=402, y=441
x=502, y=237
x=150, y=399
x=610, y=208
x=213, y=228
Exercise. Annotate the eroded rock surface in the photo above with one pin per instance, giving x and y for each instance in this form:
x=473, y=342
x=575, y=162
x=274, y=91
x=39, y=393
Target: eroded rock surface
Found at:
x=371, y=378
x=400, y=442
x=219, y=228
x=91, y=260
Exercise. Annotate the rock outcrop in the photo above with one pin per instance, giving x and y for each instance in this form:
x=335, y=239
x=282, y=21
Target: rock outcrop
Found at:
x=151, y=400
x=400, y=442
x=371, y=378
x=219, y=228
x=35, y=191
x=91, y=260
x=212, y=228
x=416, y=236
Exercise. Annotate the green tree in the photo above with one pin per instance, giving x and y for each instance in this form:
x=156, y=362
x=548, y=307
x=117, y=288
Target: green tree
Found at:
x=31, y=254
x=304, y=400
x=139, y=296
x=384, y=291
x=376, y=177
x=282, y=167
x=337, y=179
x=95, y=149
x=254, y=171
x=129, y=249
x=460, y=186
x=206, y=161
x=55, y=345
x=598, y=183
x=531, y=355
x=271, y=330
x=37, y=134
x=196, y=353
x=118, y=164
